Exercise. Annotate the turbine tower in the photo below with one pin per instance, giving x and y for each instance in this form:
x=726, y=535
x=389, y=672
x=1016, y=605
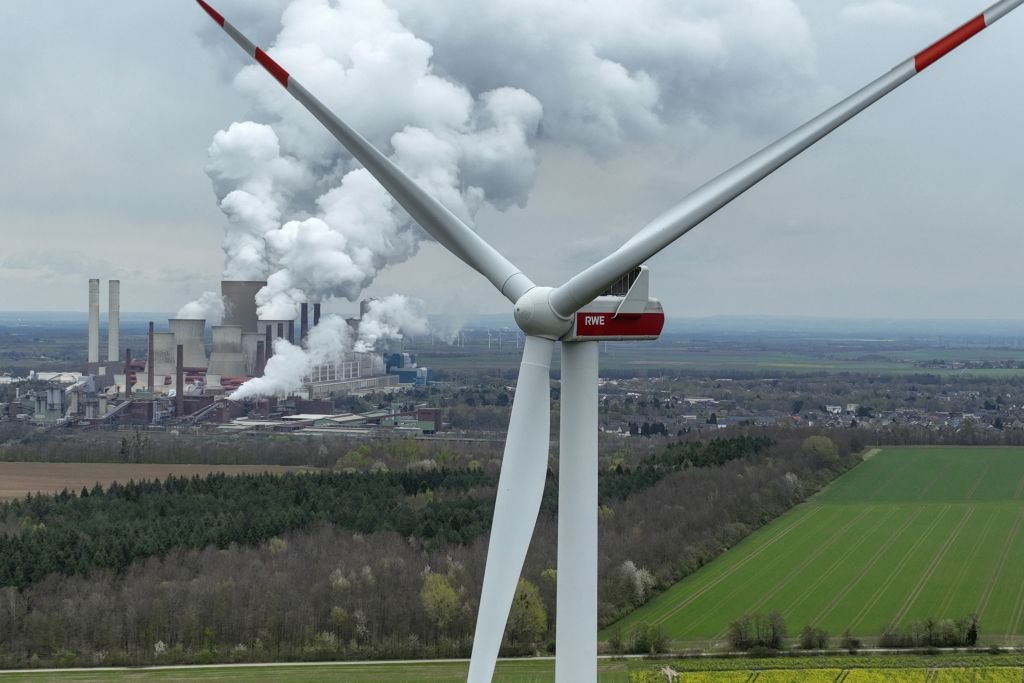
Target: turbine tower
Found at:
x=608, y=300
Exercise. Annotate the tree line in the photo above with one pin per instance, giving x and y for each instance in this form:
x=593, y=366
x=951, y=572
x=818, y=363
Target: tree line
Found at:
x=109, y=528
x=395, y=574
x=765, y=633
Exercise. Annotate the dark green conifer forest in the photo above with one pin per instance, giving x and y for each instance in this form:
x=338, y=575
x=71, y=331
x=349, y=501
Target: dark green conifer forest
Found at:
x=333, y=564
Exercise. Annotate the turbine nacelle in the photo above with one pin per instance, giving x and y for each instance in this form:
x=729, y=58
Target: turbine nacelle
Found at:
x=623, y=312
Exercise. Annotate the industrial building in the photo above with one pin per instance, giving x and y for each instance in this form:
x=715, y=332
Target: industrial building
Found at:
x=186, y=369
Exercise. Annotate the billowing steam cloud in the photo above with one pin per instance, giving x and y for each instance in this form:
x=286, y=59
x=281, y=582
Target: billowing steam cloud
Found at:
x=387, y=319
x=610, y=73
x=461, y=114
x=300, y=214
x=209, y=307
x=600, y=74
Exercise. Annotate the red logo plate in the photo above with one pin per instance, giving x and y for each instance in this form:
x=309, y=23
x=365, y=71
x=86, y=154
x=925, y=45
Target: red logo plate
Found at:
x=608, y=325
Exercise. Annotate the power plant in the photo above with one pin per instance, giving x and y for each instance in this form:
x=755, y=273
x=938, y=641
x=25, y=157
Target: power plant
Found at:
x=240, y=349
x=189, y=373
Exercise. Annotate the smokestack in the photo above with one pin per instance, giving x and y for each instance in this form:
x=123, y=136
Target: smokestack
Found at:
x=113, y=320
x=291, y=331
x=179, y=393
x=94, y=321
x=127, y=373
x=152, y=356
x=303, y=320
x=261, y=359
x=268, y=343
x=316, y=314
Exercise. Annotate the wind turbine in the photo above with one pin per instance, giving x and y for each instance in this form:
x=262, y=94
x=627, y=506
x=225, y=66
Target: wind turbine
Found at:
x=608, y=300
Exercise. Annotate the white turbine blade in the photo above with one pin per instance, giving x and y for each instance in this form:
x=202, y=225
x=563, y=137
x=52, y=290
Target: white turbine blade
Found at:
x=434, y=217
x=520, y=489
x=709, y=198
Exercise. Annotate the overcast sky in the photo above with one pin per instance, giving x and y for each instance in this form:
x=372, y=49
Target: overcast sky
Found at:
x=912, y=210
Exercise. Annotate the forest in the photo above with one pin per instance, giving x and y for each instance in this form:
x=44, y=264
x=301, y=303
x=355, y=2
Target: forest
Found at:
x=364, y=564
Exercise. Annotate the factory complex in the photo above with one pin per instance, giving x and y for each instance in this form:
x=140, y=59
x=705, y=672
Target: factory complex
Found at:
x=185, y=377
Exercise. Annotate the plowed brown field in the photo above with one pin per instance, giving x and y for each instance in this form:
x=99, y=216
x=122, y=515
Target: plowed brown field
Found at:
x=18, y=479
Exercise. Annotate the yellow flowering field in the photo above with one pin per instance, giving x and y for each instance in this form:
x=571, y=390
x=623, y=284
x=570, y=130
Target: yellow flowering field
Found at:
x=980, y=675
x=995, y=674
x=887, y=676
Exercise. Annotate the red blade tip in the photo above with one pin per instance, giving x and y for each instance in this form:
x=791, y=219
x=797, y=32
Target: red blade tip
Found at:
x=214, y=14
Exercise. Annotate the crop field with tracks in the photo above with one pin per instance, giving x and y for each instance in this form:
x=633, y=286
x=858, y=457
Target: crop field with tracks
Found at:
x=910, y=533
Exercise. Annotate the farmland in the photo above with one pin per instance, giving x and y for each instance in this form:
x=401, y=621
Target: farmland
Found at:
x=18, y=479
x=690, y=357
x=866, y=675
x=911, y=533
x=525, y=671
x=848, y=669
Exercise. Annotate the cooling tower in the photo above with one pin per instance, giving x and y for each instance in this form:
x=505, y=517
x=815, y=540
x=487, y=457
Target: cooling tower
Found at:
x=240, y=302
x=189, y=333
x=114, y=320
x=161, y=362
x=227, y=359
x=364, y=306
x=250, y=342
x=94, y=320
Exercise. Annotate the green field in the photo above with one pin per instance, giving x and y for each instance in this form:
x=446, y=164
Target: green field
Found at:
x=867, y=675
x=651, y=358
x=947, y=668
x=910, y=533
x=525, y=671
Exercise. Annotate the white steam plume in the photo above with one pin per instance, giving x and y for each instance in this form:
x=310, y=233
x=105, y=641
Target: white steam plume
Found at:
x=300, y=213
x=386, y=320
x=209, y=307
x=283, y=374
x=610, y=73
x=462, y=113
x=602, y=74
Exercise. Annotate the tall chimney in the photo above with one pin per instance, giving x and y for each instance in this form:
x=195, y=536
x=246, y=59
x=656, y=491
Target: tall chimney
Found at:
x=151, y=358
x=94, y=321
x=316, y=314
x=179, y=392
x=127, y=373
x=114, y=320
x=303, y=320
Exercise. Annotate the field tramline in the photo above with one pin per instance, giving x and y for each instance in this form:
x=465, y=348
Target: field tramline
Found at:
x=912, y=533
